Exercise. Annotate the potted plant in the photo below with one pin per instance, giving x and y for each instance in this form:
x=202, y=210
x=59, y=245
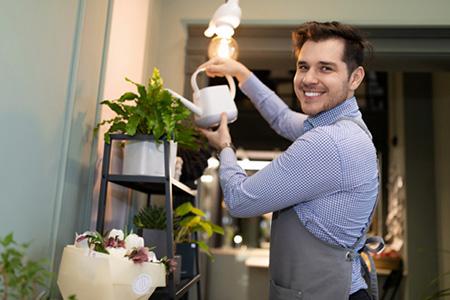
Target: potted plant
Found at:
x=150, y=111
x=152, y=221
x=187, y=220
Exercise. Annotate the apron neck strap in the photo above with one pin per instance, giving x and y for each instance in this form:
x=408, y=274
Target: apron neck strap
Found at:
x=363, y=126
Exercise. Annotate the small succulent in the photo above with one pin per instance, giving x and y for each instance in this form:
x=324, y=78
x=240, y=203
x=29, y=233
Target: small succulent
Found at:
x=151, y=217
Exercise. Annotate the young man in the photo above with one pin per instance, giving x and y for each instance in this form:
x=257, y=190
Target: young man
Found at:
x=324, y=187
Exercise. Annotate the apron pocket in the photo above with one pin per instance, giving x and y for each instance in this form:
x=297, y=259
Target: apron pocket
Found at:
x=281, y=293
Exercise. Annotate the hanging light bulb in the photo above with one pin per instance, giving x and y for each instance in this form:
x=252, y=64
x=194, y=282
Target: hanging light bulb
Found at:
x=226, y=18
x=223, y=47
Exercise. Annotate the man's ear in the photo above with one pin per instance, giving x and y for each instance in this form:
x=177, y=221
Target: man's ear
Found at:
x=356, y=78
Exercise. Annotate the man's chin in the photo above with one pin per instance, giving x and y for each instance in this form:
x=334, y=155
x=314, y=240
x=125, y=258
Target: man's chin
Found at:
x=310, y=111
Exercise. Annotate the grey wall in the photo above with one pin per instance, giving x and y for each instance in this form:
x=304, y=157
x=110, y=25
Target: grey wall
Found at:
x=420, y=188
x=441, y=109
x=51, y=57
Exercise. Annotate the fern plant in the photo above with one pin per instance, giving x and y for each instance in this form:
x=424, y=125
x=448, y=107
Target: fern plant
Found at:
x=153, y=111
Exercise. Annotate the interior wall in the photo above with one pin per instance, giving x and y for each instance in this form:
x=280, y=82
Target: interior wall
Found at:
x=49, y=97
x=441, y=112
x=420, y=184
x=176, y=14
x=129, y=53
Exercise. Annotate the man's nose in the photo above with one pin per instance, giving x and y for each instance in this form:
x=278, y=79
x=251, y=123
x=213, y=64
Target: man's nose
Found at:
x=309, y=77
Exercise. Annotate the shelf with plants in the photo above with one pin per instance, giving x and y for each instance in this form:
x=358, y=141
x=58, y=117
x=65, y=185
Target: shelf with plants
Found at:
x=161, y=185
x=152, y=115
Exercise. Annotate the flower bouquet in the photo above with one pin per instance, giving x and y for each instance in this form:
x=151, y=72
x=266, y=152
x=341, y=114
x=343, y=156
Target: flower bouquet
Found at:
x=117, y=267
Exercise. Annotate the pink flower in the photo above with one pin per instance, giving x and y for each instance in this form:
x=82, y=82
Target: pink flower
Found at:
x=114, y=242
x=139, y=255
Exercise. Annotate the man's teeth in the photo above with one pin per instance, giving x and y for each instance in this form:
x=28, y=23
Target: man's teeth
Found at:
x=312, y=94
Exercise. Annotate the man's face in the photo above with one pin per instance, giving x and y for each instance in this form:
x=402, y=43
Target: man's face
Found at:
x=322, y=81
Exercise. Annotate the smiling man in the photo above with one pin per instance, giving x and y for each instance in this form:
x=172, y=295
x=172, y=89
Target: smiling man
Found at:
x=323, y=188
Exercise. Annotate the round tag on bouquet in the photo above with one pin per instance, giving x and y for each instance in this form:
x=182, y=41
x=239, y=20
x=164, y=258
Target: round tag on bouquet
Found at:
x=142, y=284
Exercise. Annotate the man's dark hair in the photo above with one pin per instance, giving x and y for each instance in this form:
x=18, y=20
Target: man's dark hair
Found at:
x=354, y=42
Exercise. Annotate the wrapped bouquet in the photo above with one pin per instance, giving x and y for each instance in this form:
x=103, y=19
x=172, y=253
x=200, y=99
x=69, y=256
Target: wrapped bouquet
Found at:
x=116, y=267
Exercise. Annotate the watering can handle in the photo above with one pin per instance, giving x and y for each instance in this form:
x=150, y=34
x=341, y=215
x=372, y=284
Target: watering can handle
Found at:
x=228, y=77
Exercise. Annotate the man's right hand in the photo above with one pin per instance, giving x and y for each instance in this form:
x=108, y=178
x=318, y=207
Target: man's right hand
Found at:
x=218, y=66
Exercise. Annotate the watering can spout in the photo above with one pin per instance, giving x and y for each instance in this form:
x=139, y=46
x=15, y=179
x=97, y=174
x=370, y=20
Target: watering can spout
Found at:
x=189, y=105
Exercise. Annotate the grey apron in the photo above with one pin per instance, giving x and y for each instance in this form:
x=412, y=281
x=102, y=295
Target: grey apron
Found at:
x=305, y=267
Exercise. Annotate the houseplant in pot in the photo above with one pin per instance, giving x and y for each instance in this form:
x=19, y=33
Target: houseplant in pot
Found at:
x=187, y=220
x=150, y=111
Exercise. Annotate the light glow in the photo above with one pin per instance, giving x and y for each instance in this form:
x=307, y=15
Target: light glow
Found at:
x=206, y=178
x=213, y=163
x=254, y=165
x=223, y=47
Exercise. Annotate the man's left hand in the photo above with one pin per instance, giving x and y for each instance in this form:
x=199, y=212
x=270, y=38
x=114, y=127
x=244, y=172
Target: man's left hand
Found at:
x=221, y=136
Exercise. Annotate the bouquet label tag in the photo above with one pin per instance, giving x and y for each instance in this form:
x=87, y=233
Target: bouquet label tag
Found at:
x=142, y=284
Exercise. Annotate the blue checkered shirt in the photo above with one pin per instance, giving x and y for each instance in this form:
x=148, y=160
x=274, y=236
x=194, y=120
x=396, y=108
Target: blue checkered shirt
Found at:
x=328, y=174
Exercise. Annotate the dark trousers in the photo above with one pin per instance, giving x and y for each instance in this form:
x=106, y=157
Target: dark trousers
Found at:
x=360, y=295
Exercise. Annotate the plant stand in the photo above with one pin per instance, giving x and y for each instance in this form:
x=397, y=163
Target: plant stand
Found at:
x=161, y=185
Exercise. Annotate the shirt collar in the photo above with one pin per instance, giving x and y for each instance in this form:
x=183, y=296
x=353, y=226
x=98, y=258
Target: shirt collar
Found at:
x=347, y=108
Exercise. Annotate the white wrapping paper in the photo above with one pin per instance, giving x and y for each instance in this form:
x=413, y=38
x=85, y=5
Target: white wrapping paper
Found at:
x=98, y=276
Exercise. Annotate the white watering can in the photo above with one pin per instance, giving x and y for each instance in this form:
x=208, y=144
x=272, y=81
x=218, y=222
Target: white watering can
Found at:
x=210, y=102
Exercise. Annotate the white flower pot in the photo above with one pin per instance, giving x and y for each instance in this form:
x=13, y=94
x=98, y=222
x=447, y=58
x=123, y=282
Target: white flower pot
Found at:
x=147, y=158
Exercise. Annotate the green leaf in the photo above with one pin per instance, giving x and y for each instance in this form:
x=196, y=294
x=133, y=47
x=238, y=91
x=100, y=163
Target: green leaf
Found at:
x=117, y=108
x=128, y=96
x=8, y=240
x=141, y=89
x=119, y=126
x=203, y=246
x=216, y=228
x=132, y=124
x=190, y=221
x=206, y=228
x=183, y=209
x=197, y=211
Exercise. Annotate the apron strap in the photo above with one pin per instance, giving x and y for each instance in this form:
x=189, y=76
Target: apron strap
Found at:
x=371, y=276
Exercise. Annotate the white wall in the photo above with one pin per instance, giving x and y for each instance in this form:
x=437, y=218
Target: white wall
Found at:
x=133, y=31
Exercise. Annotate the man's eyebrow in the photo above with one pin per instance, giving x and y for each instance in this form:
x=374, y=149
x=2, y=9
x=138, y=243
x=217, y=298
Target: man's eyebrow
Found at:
x=323, y=63
x=328, y=63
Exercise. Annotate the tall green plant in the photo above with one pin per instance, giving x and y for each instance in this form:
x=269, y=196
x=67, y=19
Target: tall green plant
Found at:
x=19, y=278
x=153, y=110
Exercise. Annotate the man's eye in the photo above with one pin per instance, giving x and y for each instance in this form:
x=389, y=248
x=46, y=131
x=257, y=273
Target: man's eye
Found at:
x=326, y=69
